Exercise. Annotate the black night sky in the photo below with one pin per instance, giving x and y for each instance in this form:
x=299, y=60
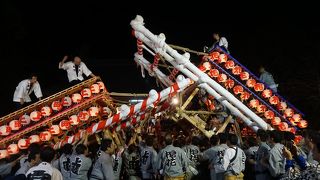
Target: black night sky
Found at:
x=35, y=36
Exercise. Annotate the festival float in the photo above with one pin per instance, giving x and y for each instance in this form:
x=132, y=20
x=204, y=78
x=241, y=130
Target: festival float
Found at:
x=219, y=84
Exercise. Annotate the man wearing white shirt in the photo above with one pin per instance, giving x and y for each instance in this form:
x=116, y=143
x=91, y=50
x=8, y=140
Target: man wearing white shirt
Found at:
x=75, y=69
x=24, y=89
x=219, y=41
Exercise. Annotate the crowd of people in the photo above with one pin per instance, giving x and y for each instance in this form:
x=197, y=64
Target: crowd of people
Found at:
x=171, y=155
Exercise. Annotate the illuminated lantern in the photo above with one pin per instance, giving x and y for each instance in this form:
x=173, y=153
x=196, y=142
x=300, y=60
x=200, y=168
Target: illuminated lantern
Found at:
x=251, y=82
x=297, y=139
x=254, y=103
x=238, y=89
x=46, y=111
x=25, y=120
x=292, y=130
x=106, y=111
x=281, y=106
x=261, y=108
x=34, y=139
x=202, y=68
x=206, y=65
x=229, y=64
x=283, y=126
x=3, y=154
x=210, y=97
x=274, y=100
x=269, y=114
x=35, y=116
x=266, y=93
x=56, y=106
x=244, y=96
x=23, y=144
x=74, y=120
x=86, y=93
x=259, y=87
x=222, y=58
x=13, y=149
x=222, y=78
x=295, y=117
x=213, y=73
x=66, y=101
x=212, y=107
x=288, y=112
x=292, y=122
x=95, y=89
x=83, y=115
x=214, y=55
x=229, y=83
x=101, y=85
x=236, y=70
x=54, y=129
x=76, y=98
x=303, y=124
x=15, y=125
x=64, y=125
x=244, y=76
x=93, y=111
x=45, y=136
x=5, y=130
x=276, y=121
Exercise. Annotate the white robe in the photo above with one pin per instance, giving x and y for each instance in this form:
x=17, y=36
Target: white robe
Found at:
x=23, y=91
x=71, y=71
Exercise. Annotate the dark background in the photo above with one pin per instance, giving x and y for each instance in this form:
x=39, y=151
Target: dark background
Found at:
x=34, y=36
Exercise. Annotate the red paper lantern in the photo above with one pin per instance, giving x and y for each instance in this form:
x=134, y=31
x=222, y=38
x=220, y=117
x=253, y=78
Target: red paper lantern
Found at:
x=274, y=100
x=213, y=73
x=23, y=144
x=229, y=64
x=244, y=76
x=214, y=55
x=238, y=89
x=3, y=154
x=229, y=83
x=254, y=103
x=303, y=124
x=295, y=117
x=251, y=82
x=206, y=65
x=281, y=106
x=283, y=126
x=292, y=130
x=46, y=111
x=86, y=93
x=276, y=121
x=288, y=112
x=66, y=101
x=93, y=111
x=269, y=114
x=76, y=98
x=298, y=139
x=35, y=116
x=5, y=130
x=15, y=125
x=54, y=129
x=106, y=111
x=266, y=93
x=222, y=78
x=95, y=89
x=83, y=115
x=261, y=108
x=74, y=120
x=222, y=58
x=45, y=136
x=64, y=125
x=13, y=149
x=25, y=120
x=202, y=68
x=236, y=70
x=292, y=122
x=101, y=85
x=259, y=87
x=34, y=139
x=56, y=106
x=244, y=96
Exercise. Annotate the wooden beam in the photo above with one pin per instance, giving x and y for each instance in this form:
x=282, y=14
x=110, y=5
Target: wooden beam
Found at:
x=226, y=122
x=186, y=103
x=194, y=122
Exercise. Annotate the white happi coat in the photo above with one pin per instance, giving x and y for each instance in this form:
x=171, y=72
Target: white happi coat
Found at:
x=70, y=67
x=24, y=89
